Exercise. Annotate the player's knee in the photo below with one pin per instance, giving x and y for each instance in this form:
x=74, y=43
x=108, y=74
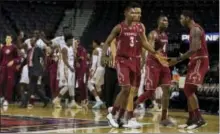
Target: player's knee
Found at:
x=90, y=86
x=189, y=90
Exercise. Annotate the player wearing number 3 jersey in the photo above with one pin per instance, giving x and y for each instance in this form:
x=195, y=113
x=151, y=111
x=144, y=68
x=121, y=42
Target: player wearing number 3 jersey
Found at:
x=128, y=54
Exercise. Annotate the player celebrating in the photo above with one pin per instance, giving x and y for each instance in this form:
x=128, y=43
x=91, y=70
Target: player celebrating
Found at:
x=96, y=74
x=197, y=68
x=155, y=71
x=127, y=61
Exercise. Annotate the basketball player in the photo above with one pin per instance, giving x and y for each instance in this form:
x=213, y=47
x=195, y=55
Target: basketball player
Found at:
x=81, y=70
x=54, y=87
x=97, y=72
x=67, y=73
x=156, y=72
x=8, y=59
x=132, y=122
x=197, y=68
x=127, y=62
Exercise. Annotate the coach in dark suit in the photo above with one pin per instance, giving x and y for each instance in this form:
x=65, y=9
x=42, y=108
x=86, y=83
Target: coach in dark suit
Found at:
x=35, y=70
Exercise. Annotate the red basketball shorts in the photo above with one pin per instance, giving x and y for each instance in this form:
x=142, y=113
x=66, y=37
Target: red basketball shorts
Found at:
x=156, y=75
x=196, y=71
x=128, y=71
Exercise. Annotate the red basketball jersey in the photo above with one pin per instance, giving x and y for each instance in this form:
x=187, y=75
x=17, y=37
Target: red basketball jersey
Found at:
x=160, y=44
x=128, y=42
x=203, y=51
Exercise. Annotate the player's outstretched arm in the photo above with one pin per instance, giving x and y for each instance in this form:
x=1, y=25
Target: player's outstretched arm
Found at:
x=194, y=46
x=145, y=44
x=114, y=33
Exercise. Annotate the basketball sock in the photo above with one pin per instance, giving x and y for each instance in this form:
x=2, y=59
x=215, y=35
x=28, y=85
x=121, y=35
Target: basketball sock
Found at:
x=97, y=98
x=164, y=114
x=121, y=113
x=114, y=110
x=191, y=114
x=197, y=114
x=130, y=115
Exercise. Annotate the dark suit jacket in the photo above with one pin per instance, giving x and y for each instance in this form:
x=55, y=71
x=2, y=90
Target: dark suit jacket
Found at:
x=37, y=68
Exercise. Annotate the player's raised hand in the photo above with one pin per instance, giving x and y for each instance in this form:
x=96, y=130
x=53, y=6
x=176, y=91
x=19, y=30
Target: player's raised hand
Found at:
x=162, y=59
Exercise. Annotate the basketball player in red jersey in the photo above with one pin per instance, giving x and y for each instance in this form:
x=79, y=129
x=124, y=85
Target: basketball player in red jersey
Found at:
x=132, y=122
x=197, y=68
x=156, y=73
x=127, y=61
x=8, y=59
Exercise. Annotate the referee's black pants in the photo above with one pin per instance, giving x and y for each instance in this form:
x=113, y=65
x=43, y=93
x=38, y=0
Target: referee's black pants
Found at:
x=111, y=87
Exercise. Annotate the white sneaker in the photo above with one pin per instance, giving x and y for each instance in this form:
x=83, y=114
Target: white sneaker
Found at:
x=98, y=105
x=111, y=121
x=132, y=123
x=5, y=103
x=56, y=102
x=73, y=104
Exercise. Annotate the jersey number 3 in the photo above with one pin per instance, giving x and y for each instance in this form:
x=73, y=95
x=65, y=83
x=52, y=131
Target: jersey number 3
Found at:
x=131, y=41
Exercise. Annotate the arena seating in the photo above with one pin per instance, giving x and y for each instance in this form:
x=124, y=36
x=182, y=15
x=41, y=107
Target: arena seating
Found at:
x=107, y=14
x=28, y=16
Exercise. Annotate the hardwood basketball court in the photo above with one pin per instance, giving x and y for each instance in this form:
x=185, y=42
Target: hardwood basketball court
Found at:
x=49, y=120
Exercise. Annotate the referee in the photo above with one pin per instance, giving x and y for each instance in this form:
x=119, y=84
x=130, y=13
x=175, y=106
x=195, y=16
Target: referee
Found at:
x=111, y=86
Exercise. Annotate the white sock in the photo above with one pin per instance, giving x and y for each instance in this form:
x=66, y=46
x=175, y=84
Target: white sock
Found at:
x=97, y=98
x=142, y=105
x=155, y=103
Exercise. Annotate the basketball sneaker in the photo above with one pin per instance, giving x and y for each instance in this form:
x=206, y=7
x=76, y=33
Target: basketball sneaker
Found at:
x=112, y=121
x=188, y=123
x=199, y=123
x=132, y=123
x=168, y=122
x=97, y=105
x=5, y=103
x=56, y=103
